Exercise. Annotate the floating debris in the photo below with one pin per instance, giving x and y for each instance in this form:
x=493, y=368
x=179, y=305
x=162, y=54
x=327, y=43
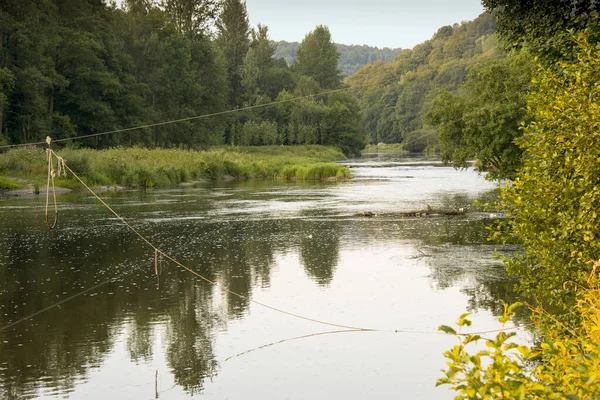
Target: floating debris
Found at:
x=409, y=214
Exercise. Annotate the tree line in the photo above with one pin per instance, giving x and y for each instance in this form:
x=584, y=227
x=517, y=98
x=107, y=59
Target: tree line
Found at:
x=72, y=67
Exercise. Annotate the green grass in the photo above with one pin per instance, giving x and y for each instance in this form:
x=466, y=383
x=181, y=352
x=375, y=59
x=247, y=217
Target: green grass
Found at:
x=6, y=183
x=144, y=168
x=373, y=148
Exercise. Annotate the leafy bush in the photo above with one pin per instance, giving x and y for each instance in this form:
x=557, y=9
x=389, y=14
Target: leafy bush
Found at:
x=553, y=202
x=561, y=367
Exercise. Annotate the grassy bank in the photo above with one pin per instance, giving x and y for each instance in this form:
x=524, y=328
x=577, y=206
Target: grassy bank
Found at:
x=392, y=147
x=143, y=168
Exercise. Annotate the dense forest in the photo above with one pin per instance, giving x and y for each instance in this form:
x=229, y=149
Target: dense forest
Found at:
x=395, y=96
x=352, y=57
x=72, y=67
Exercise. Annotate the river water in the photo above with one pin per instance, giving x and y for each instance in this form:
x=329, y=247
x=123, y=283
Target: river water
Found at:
x=298, y=247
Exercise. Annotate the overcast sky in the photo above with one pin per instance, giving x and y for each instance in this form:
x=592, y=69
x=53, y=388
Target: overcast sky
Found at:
x=381, y=23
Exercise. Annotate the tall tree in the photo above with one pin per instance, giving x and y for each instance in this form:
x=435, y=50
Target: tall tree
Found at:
x=191, y=17
x=318, y=58
x=263, y=46
x=234, y=40
x=250, y=75
x=273, y=75
x=138, y=6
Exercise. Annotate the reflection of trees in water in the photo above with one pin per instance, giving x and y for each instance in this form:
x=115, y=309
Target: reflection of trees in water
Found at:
x=457, y=251
x=191, y=327
x=319, y=250
x=50, y=345
x=58, y=346
x=238, y=255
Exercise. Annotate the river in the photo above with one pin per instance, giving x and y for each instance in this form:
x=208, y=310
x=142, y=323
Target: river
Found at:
x=302, y=248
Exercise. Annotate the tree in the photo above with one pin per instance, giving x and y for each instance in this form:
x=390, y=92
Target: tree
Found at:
x=273, y=75
x=482, y=120
x=191, y=17
x=234, y=40
x=250, y=75
x=138, y=6
x=542, y=25
x=318, y=58
x=263, y=46
x=7, y=80
x=395, y=96
x=554, y=200
x=341, y=124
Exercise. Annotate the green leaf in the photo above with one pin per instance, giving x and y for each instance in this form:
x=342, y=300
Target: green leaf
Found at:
x=447, y=329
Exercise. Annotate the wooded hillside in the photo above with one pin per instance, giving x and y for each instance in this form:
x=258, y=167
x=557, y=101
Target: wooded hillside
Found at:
x=352, y=57
x=395, y=96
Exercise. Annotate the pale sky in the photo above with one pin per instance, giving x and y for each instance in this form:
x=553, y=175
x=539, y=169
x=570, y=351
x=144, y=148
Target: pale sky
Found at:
x=381, y=23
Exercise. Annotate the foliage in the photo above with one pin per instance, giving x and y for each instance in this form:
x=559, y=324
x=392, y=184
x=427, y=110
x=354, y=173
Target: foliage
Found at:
x=561, y=367
x=317, y=58
x=482, y=119
x=352, y=57
x=421, y=140
x=554, y=200
x=137, y=167
x=395, y=96
x=234, y=40
x=71, y=68
x=552, y=207
x=332, y=120
x=375, y=148
x=543, y=25
x=190, y=17
x=259, y=133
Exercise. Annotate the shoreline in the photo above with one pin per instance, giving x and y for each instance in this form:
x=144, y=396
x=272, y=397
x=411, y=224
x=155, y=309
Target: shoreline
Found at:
x=23, y=172
x=28, y=190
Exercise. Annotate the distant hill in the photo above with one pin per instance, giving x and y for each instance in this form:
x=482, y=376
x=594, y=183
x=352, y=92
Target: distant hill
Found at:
x=395, y=96
x=352, y=57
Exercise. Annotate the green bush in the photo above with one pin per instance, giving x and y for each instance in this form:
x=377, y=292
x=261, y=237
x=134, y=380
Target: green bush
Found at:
x=554, y=200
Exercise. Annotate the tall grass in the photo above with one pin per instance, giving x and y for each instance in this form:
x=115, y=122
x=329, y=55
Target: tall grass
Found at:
x=144, y=168
x=6, y=183
x=392, y=147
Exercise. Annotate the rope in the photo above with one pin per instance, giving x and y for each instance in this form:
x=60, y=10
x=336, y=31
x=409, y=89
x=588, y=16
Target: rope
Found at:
x=180, y=120
x=264, y=346
x=158, y=252
x=51, y=177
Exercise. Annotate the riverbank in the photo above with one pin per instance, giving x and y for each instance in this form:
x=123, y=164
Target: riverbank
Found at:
x=392, y=147
x=26, y=169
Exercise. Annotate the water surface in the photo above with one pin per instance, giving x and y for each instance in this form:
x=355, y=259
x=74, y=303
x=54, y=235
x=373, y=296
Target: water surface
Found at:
x=298, y=247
